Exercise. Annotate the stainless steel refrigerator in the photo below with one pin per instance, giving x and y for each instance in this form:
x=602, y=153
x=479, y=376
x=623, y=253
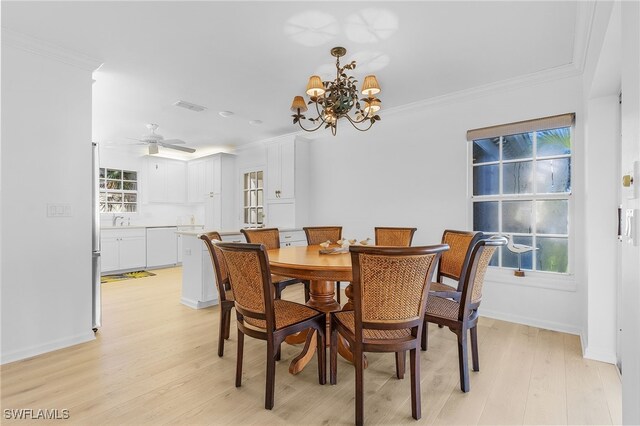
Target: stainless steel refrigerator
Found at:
x=95, y=244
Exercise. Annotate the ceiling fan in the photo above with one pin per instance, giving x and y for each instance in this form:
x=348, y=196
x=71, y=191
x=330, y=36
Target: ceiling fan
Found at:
x=155, y=140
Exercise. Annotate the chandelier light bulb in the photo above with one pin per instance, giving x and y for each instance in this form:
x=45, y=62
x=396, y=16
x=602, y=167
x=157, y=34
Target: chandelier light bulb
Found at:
x=315, y=88
x=371, y=107
x=370, y=86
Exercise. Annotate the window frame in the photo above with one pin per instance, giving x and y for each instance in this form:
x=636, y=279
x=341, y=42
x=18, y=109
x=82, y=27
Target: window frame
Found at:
x=121, y=191
x=545, y=279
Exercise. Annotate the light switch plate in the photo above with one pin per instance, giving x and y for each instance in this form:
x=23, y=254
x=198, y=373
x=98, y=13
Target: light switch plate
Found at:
x=59, y=210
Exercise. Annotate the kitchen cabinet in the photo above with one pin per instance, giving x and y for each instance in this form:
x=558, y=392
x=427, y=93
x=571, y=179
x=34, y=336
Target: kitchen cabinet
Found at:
x=196, y=181
x=162, y=247
x=287, y=191
x=166, y=180
x=220, y=197
x=292, y=238
x=211, y=180
x=281, y=169
x=123, y=249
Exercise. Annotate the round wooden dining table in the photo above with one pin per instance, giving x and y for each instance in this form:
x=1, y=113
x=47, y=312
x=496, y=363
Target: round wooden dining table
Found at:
x=322, y=271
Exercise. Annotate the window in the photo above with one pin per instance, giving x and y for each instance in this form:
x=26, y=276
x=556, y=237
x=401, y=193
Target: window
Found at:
x=118, y=191
x=253, y=198
x=522, y=187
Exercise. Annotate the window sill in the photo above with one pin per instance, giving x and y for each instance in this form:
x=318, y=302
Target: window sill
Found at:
x=551, y=281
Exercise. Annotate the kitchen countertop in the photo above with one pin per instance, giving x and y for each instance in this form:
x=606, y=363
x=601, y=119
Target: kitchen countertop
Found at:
x=152, y=226
x=226, y=233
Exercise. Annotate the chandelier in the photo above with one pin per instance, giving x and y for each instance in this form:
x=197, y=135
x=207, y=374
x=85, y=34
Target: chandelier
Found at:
x=335, y=99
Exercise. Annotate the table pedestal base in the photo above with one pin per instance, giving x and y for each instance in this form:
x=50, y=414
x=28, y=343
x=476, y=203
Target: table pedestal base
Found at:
x=322, y=298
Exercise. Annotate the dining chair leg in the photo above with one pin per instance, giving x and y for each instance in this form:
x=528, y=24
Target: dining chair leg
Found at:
x=463, y=360
x=321, y=354
x=400, y=364
x=414, y=361
x=271, y=376
x=338, y=291
x=425, y=336
x=239, y=359
x=227, y=323
x=358, y=358
x=278, y=352
x=474, y=348
x=222, y=331
x=333, y=356
x=278, y=295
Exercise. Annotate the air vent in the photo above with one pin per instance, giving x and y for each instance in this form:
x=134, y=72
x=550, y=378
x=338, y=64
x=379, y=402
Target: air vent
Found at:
x=190, y=106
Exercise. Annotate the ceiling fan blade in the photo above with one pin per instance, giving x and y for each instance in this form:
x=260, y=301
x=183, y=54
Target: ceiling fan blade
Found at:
x=135, y=139
x=178, y=148
x=174, y=141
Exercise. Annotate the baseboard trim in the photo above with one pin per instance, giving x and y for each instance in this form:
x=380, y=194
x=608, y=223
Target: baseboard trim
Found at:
x=533, y=322
x=600, y=354
x=46, y=347
x=196, y=304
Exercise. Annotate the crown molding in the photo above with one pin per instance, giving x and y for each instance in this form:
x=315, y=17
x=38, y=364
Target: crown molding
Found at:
x=40, y=47
x=585, y=15
x=528, y=80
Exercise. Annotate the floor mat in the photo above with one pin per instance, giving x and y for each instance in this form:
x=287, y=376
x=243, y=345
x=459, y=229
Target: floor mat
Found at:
x=125, y=276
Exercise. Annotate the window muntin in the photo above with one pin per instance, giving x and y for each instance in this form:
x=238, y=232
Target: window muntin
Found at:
x=253, y=196
x=522, y=187
x=118, y=190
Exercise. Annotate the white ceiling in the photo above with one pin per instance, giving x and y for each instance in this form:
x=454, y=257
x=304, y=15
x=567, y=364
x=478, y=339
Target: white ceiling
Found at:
x=253, y=57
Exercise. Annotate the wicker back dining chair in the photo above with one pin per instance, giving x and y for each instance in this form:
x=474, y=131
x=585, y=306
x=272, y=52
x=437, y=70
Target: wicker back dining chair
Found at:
x=270, y=237
x=222, y=283
x=320, y=234
x=453, y=262
x=461, y=316
x=263, y=317
x=396, y=237
x=390, y=286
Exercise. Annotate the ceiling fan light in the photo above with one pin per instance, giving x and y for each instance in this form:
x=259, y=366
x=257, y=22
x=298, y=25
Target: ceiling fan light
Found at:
x=370, y=86
x=298, y=104
x=153, y=148
x=315, y=88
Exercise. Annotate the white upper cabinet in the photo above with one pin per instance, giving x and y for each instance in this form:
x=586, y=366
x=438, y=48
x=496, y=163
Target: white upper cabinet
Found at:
x=196, y=181
x=287, y=191
x=166, y=181
x=281, y=165
x=211, y=180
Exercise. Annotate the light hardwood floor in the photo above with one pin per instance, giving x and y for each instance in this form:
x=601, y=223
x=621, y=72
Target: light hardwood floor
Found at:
x=154, y=362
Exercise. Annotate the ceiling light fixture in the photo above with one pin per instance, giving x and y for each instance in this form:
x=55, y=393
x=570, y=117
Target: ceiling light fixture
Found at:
x=335, y=99
x=225, y=114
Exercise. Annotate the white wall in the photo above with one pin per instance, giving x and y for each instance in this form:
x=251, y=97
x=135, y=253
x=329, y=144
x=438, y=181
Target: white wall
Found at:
x=149, y=214
x=603, y=139
x=46, y=262
x=412, y=169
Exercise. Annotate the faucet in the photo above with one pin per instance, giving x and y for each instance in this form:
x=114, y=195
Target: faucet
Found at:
x=115, y=218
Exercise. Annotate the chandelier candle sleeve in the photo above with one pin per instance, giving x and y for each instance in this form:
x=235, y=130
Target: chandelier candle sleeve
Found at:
x=338, y=99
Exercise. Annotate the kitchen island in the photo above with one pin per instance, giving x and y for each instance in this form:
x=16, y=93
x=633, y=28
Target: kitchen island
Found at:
x=198, y=280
